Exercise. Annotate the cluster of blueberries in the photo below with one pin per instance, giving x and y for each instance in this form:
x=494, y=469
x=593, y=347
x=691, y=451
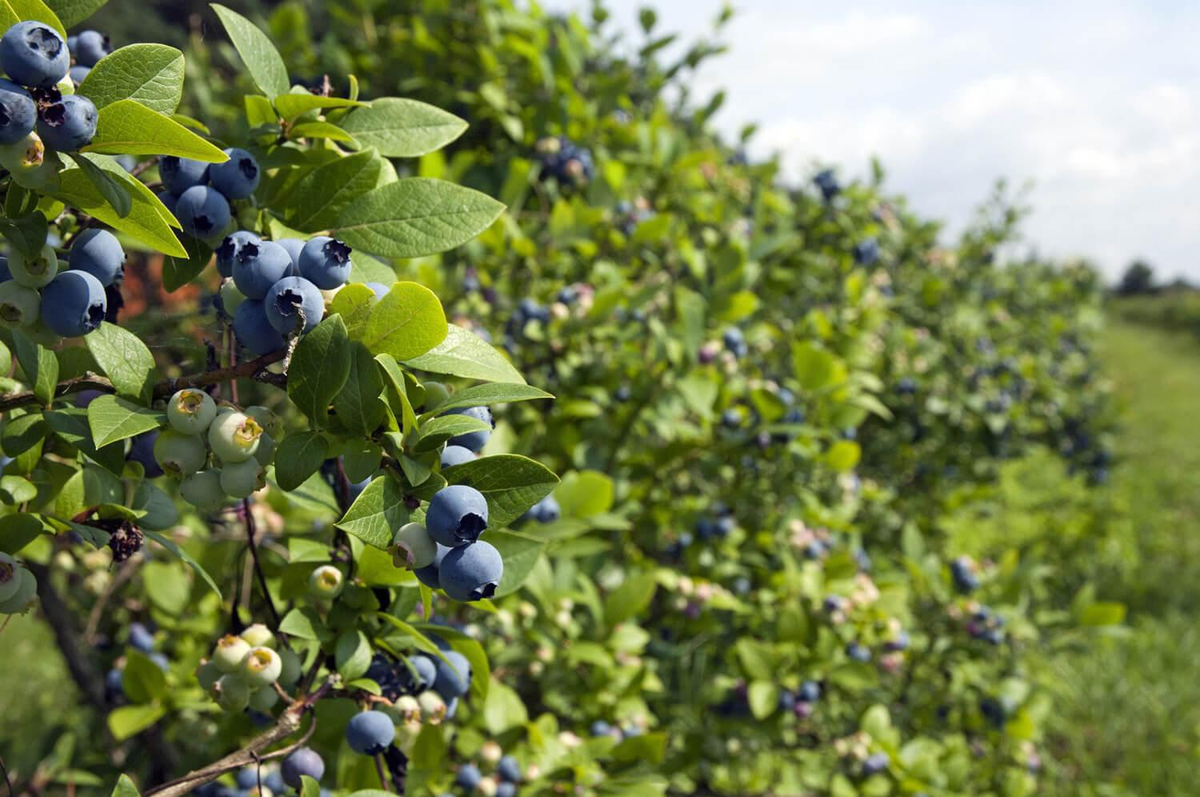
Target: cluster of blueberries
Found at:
x=620, y=733
x=40, y=90
x=244, y=669
x=199, y=193
x=508, y=775
x=565, y=161
x=70, y=303
x=827, y=183
x=984, y=624
x=18, y=587
x=866, y=252
x=241, y=441
x=962, y=572
x=446, y=552
x=631, y=214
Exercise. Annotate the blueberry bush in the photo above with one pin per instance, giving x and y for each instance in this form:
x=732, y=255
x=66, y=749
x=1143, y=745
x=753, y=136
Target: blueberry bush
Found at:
x=294, y=518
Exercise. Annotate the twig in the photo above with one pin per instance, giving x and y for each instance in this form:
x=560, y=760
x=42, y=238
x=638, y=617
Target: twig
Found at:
x=383, y=783
x=123, y=574
x=262, y=579
x=7, y=782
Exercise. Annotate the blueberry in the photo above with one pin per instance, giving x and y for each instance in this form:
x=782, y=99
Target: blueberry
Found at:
x=288, y=298
x=828, y=184
x=202, y=211
x=254, y=331
x=294, y=247
x=114, y=681
x=304, y=761
x=858, y=652
x=509, y=770
x=180, y=174
x=257, y=265
x=237, y=177
x=90, y=47
x=78, y=74
x=34, y=55
x=475, y=441
x=457, y=515
x=735, y=341
x=809, y=692
x=73, y=304
x=456, y=455
x=731, y=419
x=866, y=252
x=471, y=572
x=875, y=764
x=246, y=778
x=506, y=789
x=601, y=728
x=325, y=262
x=423, y=672
x=161, y=660
x=453, y=675
x=69, y=124
x=99, y=253
x=429, y=575
x=274, y=780
x=370, y=732
x=18, y=112
x=468, y=776
x=546, y=510
x=141, y=450
x=229, y=250
x=378, y=288
x=141, y=638
x=19, y=305
x=169, y=200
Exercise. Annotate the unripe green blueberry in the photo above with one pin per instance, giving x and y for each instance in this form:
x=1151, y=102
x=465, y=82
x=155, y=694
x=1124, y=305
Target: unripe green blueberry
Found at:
x=433, y=706
x=435, y=394
x=413, y=548
x=407, y=733
x=271, y=423
x=326, y=582
x=231, y=298
x=405, y=708
x=292, y=669
x=261, y=667
x=265, y=453
x=190, y=411
x=25, y=156
x=37, y=272
x=203, y=490
x=230, y=652
x=19, y=305
x=10, y=578
x=258, y=636
x=233, y=693
x=234, y=436
x=264, y=699
x=243, y=479
x=179, y=454
x=23, y=597
x=208, y=674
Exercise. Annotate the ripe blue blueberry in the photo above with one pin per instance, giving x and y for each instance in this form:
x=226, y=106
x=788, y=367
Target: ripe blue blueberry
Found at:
x=304, y=761
x=468, y=776
x=378, y=288
x=600, y=728
x=290, y=297
x=471, y=572
x=325, y=262
x=429, y=575
x=141, y=450
x=202, y=211
x=99, y=253
x=237, y=177
x=735, y=342
x=509, y=770
x=858, y=652
x=546, y=510
x=79, y=73
x=294, y=247
x=69, y=124
x=246, y=777
x=506, y=789
x=875, y=764
x=90, y=47
x=475, y=441
x=423, y=672
x=73, y=304
x=457, y=515
x=169, y=200
x=227, y=253
x=828, y=184
x=257, y=266
x=453, y=675
x=254, y=331
x=370, y=732
x=274, y=779
x=18, y=112
x=866, y=252
x=456, y=455
x=34, y=55
x=180, y=174
x=809, y=692
x=141, y=638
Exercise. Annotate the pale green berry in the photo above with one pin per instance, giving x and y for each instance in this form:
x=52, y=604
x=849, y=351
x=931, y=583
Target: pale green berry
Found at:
x=230, y=652
x=292, y=667
x=264, y=699
x=325, y=582
x=19, y=305
x=10, y=578
x=265, y=453
x=243, y=479
x=34, y=272
x=190, y=411
x=24, y=156
x=413, y=548
x=208, y=674
x=234, y=436
x=231, y=298
x=179, y=454
x=258, y=636
x=233, y=693
x=435, y=394
x=203, y=490
x=24, y=595
x=271, y=423
x=406, y=735
x=261, y=667
x=402, y=709
x=433, y=706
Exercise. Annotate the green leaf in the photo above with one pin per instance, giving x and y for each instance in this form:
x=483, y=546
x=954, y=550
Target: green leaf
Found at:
x=324, y=192
x=309, y=787
x=128, y=721
x=510, y=483
x=405, y=323
x=292, y=105
x=298, y=457
x=815, y=367
x=401, y=128
x=143, y=681
x=183, y=556
x=1102, y=613
x=146, y=222
x=416, y=216
x=151, y=74
x=764, y=699
x=72, y=12
x=71, y=424
x=484, y=395
x=14, y=11
x=112, y=189
x=377, y=513
x=503, y=709
x=438, y=430
x=112, y=418
x=16, y=490
x=352, y=654
x=261, y=58
x=584, y=494
x=124, y=787
x=127, y=127
x=304, y=624
x=320, y=367
x=465, y=354
x=319, y=130
x=124, y=359
x=27, y=233
x=358, y=405
x=39, y=364
x=520, y=553
x=353, y=303
x=17, y=531
x=23, y=432
x=398, y=391
x=424, y=643
x=630, y=599
x=179, y=271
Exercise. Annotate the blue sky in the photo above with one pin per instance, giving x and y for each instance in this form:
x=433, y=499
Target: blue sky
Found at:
x=1095, y=104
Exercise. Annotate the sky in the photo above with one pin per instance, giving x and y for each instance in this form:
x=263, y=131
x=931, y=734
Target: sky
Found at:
x=1094, y=105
